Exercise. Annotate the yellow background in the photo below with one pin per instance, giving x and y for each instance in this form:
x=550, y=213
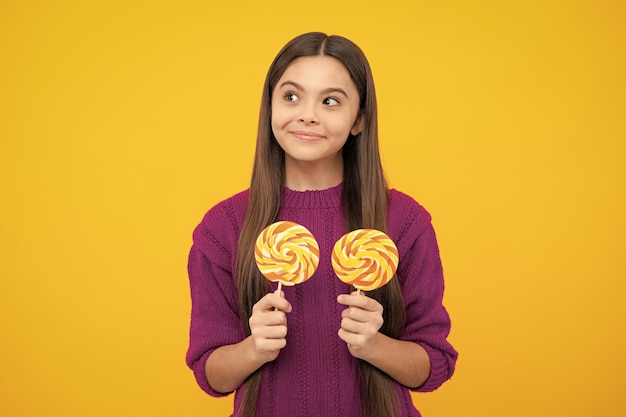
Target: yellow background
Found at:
x=122, y=122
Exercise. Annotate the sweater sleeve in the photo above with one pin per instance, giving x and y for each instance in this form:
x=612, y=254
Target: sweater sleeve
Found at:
x=421, y=278
x=214, y=309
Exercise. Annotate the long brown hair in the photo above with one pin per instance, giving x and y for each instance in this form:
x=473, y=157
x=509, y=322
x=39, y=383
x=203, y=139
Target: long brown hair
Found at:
x=365, y=197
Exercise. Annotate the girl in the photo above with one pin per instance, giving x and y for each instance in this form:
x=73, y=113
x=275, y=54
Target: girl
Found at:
x=317, y=349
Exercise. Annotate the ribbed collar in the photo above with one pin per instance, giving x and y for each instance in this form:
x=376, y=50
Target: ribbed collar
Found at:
x=330, y=197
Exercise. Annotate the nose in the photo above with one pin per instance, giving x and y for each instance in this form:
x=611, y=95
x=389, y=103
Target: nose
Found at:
x=308, y=115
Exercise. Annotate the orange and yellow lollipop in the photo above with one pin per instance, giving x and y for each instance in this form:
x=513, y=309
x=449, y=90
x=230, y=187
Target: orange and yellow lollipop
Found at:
x=287, y=253
x=365, y=258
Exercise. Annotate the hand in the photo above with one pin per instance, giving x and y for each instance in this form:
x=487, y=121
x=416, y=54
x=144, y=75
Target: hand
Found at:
x=360, y=323
x=268, y=326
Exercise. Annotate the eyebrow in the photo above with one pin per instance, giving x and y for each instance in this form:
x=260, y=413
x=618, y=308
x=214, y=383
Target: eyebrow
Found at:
x=325, y=91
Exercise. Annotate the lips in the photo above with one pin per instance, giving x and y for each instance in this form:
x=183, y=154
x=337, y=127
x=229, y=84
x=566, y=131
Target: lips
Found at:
x=308, y=136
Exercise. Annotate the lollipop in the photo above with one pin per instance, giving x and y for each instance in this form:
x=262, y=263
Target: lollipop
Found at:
x=365, y=258
x=286, y=253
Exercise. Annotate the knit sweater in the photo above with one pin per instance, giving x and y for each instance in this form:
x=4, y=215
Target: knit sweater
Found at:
x=315, y=375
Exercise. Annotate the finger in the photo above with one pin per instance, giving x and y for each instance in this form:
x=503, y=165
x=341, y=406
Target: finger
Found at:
x=279, y=302
x=360, y=301
x=375, y=319
x=273, y=318
x=356, y=313
x=366, y=328
x=352, y=339
x=270, y=332
x=267, y=319
x=272, y=301
x=352, y=326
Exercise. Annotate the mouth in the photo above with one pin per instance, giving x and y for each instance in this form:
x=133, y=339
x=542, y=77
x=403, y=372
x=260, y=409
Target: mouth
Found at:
x=307, y=136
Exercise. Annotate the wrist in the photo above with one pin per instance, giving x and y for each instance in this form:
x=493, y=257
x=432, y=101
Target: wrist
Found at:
x=251, y=355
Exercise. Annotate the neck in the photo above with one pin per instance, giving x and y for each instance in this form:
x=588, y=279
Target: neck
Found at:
x=304, y=176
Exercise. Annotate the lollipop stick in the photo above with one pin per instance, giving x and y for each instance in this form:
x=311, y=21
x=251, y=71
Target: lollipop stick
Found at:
x=358, y=291
x=280, y=286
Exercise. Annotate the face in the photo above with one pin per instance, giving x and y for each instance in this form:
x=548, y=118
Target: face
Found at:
x=315, y=106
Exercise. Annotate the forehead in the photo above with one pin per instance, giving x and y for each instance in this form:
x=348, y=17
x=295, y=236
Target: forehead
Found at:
x=318, y=72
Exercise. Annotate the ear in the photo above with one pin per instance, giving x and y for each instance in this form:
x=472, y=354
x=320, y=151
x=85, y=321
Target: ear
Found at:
x=358, y=125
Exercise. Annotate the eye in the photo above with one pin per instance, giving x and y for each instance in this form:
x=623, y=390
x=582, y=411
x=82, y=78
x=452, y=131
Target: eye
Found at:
x=331, y=101
x=291, y=97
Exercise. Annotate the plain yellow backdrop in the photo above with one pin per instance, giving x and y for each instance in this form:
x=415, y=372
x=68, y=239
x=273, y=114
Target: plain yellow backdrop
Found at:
x=122, y=122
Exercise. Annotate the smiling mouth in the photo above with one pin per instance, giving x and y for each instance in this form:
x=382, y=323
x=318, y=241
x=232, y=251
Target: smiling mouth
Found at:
x=307, y=135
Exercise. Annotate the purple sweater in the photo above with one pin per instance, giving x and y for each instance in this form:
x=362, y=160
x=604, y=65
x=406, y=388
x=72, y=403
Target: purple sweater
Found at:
x=315, y=375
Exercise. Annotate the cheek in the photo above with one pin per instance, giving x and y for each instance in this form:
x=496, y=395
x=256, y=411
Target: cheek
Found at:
x=340, y=127
x=276, y=123
x=279, y=118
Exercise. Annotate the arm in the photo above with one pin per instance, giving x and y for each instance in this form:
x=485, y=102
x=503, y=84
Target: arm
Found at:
x=406, y=362
x=229, y=366
x=422, y=359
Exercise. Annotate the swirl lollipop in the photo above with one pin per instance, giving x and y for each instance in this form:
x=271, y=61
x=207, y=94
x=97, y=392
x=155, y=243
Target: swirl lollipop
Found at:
x=286, y=253
x=365, y=258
